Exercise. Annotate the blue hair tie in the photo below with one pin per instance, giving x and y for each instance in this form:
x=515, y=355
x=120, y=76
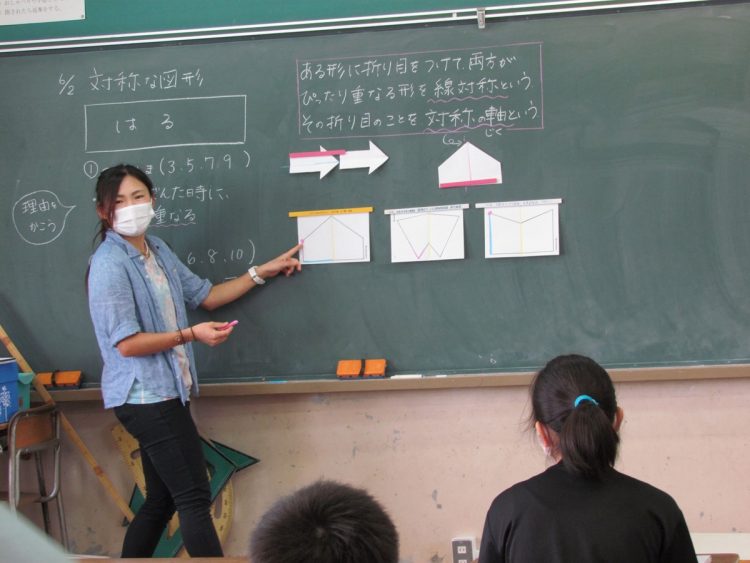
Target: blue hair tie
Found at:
x=581, y=398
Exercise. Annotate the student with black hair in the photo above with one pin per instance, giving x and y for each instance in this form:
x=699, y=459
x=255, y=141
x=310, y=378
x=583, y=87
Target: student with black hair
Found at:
x=581, y=509
x=326, y=522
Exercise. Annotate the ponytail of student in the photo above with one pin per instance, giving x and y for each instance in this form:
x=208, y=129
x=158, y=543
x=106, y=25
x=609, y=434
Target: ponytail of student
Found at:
x=574, y=396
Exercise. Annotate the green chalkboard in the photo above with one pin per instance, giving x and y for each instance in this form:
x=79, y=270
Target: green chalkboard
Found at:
x=639, y=122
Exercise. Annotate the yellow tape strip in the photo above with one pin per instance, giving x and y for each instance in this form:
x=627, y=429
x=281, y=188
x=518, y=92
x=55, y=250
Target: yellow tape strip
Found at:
x=330, y=212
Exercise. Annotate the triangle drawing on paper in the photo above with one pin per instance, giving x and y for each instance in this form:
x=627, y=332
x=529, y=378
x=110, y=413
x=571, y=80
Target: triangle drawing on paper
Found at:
x=428, y=233
x=469, y=166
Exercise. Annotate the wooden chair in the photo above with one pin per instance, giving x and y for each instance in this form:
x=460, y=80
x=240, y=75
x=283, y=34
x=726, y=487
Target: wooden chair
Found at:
x=32, y=433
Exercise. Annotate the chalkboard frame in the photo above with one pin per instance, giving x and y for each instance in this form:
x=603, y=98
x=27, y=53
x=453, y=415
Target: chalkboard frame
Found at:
x=512, y=368
x=107, y=23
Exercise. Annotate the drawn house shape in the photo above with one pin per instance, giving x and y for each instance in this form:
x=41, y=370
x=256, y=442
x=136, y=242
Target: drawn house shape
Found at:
x=469, y=166
x=330, y=239
x=428, y=235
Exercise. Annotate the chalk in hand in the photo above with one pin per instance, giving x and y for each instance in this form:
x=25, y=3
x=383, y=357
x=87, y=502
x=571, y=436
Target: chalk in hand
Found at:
x=228, y=325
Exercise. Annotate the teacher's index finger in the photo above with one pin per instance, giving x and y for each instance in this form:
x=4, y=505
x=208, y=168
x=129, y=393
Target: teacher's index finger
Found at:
x=292, y=251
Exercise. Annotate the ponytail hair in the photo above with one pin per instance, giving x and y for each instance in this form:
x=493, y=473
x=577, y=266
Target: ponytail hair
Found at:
x=575, y=397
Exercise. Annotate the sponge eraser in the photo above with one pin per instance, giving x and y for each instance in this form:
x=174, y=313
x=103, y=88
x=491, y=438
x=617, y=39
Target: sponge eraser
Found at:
x=375, y=368
x=349, y=368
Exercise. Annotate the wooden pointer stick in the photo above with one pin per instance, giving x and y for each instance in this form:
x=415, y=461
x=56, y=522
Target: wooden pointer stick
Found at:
x=68, y=427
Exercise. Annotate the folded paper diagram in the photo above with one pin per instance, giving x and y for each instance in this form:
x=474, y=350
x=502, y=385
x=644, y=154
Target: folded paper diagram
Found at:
x=521, y=228
x=469, y=166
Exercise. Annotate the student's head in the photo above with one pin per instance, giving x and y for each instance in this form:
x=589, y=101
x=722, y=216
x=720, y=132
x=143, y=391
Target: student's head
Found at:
x=326, y=522
x=113, y=180
x=575, y=414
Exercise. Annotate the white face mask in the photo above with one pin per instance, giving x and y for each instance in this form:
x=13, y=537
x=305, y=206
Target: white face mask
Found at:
x=133, y=220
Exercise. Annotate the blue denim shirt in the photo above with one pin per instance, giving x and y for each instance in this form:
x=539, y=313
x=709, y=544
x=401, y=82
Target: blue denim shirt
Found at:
x=122, y=303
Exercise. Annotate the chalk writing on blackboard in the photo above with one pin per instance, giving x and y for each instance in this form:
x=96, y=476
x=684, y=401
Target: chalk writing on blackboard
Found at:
x=66, y=86
x=181, y=189
x=39, y=217
x=196, y=193
x=206, y=260
x=178, y=122
x=180, y=217
x=119, y=82
x=185, y=164
x=185, y=199
x=494, y=88
x=200, y=162
x=130, y=81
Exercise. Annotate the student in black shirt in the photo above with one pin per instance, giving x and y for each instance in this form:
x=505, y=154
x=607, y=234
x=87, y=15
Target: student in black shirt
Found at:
x=581, y=509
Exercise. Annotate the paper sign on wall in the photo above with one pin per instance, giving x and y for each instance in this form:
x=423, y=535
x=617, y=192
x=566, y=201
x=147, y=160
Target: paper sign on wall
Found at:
x=334, y=236
x=521, y=228
x=427, y=233
x=469, y=166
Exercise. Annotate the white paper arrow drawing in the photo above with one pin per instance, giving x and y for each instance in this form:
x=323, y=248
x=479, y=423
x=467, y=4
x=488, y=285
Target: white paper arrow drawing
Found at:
x=371, y=158
x=469, y=166
x=322, y=162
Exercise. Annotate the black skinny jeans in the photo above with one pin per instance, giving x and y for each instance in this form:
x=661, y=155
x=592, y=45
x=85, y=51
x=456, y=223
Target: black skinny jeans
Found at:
x=176, y=478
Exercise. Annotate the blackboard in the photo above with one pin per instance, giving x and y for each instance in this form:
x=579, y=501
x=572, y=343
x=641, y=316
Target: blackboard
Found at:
x=638, y=121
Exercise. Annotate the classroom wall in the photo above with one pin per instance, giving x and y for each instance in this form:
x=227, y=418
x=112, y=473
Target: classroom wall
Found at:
x=435, y=458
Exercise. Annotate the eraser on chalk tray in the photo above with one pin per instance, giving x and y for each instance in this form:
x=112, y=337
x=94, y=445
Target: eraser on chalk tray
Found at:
x=349, y=368
x=375, y=368
x=60, y=379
